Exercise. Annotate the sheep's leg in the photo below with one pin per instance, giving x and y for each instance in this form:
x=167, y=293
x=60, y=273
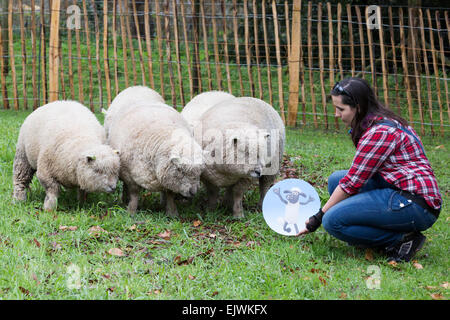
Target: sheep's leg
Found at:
x=51, y=187
x=81, y=196
x=162, y=199
x=133, y=197
x=22, y=175
x=213, y=195
x=171, y=207
x=125, y=194
x=238, y=193
x=265, y=182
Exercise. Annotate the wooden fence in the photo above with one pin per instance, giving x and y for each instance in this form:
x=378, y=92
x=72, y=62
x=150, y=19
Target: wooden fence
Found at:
x=289, y=53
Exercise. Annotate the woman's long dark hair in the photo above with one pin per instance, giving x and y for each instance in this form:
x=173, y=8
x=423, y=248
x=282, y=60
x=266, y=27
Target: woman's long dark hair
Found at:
x=357, y=93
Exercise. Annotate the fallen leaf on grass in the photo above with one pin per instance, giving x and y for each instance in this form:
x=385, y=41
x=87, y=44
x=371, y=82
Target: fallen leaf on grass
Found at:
x=445, y=285
x=197, y=223
x=55, y=245
x=437, y=296
x=439, y=147
x=133, y=227
x=70, y=228
x=324, y=282
x=37, y=243
x=215, y=293
x=116, y=252
x=191, y=277
x=35, y=278
x=96, y=231
x=393, y=263
x=417, y=265
x=343, y=295
x=24, y=291
x=165, y=235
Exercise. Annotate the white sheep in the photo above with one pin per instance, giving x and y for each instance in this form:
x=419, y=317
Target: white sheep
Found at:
x=194, y=109
x=244, y=139
x=64, y=144
x=129, y=98
x=158, y=152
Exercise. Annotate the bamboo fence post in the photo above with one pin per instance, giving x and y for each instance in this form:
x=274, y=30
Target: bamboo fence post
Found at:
x=294, y=64
x=97, y=56
x=350, y=38
x=391, y=31
x=197, y=80
x=302, y=72
x=416, y=71
x=11, y=54
x=441, y=48
x=169, y=54
x=188, y=54
x=69, y=51
x=447, y=21
x=53, y=60
x=266, y=47
x=383, y=59
x=148, y=41
x=339, y=30
x=4, y=51
x=105, y=51
x=371, y=54
x=124, y=40
x=236, y=46
x=34, y=55
x=62, y=74
x=114, y=36
x=2, y=74
x=88, y=46
x=160, y=53
x=255, y=34
x=177, y=52
x=361, y=41
x=288, y=35
x=130, y=42
x=216, y=46
x=405, y=67
x=80, y=76
x=248, y=53
x=436, y=72
x=321, y=66
x=225, y=41
x=331, y=48
x=427, y=71
x=24, y=56
x=205, y=45
x=310, y=64
x=330, y=43
x=279, y=68
x=138, y=35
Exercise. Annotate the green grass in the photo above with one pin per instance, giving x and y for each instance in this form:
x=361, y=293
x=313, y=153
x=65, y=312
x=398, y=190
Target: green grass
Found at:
x=219, y=259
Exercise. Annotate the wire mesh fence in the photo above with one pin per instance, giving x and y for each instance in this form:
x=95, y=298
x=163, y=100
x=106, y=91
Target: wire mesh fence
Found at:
x=288, y=53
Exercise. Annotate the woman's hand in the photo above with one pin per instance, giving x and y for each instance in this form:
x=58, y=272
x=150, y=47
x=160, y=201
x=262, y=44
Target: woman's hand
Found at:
x=313, y=223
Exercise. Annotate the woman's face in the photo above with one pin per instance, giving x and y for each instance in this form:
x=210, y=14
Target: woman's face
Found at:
x=343, y=111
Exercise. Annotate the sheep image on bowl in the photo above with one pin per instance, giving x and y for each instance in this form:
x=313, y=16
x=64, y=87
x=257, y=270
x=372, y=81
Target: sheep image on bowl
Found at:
x=244, y=140
x=158, y=150
x=65, y=145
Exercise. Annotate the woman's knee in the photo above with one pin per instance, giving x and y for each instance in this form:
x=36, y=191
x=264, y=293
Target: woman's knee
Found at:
x=334, y=178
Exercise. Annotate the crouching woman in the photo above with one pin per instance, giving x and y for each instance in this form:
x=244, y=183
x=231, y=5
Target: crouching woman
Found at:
x=389, y=194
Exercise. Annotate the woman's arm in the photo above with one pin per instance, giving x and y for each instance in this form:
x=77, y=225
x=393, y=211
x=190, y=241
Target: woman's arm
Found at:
x=337, y=196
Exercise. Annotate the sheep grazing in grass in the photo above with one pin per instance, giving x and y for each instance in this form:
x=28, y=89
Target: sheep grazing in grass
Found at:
x=201, y=103
x=158, y=151
x=64, y=144
x=129, y=98
x=244, y=139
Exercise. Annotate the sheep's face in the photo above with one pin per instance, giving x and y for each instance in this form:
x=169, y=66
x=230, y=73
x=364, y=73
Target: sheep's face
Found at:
x=244, y=152
x=98, y=170
x=181, y=172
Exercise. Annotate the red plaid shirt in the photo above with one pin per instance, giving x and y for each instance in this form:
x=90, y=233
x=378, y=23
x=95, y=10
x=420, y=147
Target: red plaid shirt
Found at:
x=398, y=158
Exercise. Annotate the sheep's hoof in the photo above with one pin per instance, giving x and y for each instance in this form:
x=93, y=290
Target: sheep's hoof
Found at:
x=19, y=196
x=238, y=215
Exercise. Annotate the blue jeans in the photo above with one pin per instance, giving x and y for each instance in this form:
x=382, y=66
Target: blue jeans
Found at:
x=377, y=216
